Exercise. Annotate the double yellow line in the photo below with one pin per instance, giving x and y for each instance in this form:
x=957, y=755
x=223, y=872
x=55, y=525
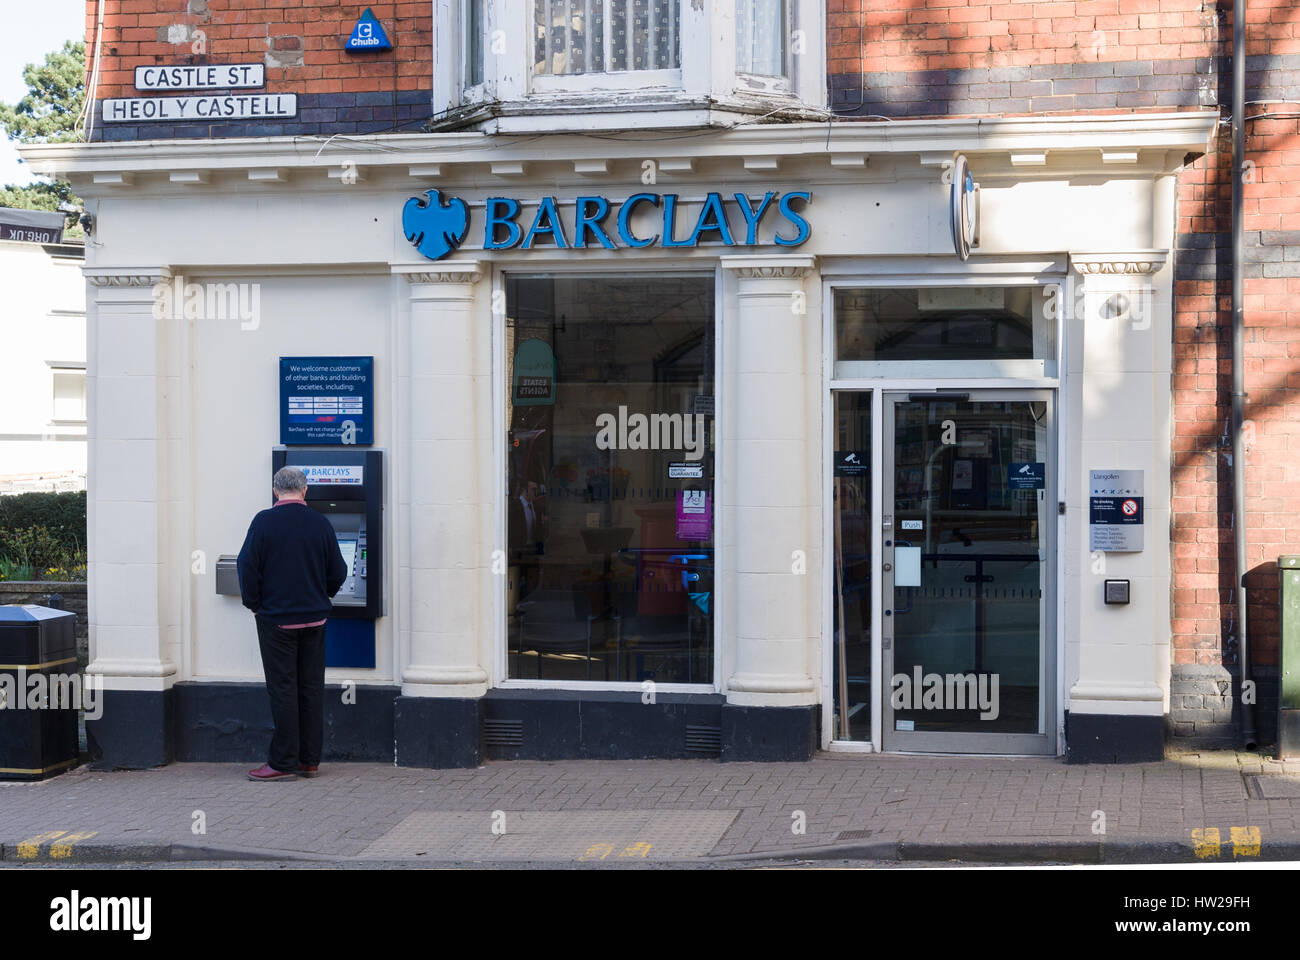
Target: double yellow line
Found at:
x=30, y=849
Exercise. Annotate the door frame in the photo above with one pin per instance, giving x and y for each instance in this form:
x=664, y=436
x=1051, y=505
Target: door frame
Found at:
x=1039, y=743
x=918, y=272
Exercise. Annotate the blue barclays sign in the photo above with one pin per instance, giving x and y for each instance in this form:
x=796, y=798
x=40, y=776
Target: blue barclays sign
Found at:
x=436, y=226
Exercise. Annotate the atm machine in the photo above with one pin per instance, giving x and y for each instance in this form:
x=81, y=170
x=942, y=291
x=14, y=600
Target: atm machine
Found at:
x=347, y=486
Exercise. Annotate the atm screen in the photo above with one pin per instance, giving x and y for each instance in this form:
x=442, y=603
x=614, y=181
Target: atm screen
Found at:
x=349, y=550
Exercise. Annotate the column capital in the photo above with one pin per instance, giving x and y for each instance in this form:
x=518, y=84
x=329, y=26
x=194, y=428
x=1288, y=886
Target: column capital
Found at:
x=770, y=267
x=1132, y=263
x=131, y=284
x=450, y=271
x=125, y=276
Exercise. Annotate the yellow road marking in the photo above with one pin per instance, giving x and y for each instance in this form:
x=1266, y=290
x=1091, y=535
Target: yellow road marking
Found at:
x=1245, y=841
x=1206, y=842
x=597, y=851
x=639, y=849
x=63, y=849
x=29, y=849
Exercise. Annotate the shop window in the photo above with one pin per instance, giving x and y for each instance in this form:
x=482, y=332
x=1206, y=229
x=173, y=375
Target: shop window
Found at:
x=610, y=478
x=760, y=37
x=939, y=331
x=574, y=37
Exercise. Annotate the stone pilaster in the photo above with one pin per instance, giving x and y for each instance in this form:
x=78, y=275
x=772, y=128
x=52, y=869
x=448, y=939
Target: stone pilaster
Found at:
x=771, y=694
x=134, y=442
x=444, y=518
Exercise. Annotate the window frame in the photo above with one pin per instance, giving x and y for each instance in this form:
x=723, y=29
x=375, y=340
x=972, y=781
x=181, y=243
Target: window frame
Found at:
x=658, y=76
x=501, y=270
x=770, y=83
x=67, y=368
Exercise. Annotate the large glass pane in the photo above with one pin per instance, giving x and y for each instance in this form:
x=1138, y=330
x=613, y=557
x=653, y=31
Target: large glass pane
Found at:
x=474, y=35
x=570, y=36
x=969, y=526
x=942, y=323
x=852, y=606
x=610, y=478
x=760, y=37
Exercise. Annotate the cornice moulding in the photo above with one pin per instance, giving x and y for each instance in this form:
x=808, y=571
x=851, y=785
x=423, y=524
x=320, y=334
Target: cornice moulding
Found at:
x=1087, y=138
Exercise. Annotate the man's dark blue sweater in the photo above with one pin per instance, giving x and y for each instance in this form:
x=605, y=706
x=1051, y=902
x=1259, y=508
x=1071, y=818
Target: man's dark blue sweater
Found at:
x=290, y=564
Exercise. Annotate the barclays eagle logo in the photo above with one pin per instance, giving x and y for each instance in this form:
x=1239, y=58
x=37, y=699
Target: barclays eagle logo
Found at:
x=435, y=228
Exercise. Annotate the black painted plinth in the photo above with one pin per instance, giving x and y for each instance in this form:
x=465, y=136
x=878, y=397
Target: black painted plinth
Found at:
x=231, y=722
x=437, y=732
x=1113, y=738
x=135, y=731
x=769, y=734
x=600, y=725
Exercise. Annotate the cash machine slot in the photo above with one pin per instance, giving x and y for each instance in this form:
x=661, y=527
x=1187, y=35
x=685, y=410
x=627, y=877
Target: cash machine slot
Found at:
x=350, y=531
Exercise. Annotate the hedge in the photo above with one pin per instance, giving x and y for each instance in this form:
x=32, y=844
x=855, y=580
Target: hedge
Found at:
x=62, y=514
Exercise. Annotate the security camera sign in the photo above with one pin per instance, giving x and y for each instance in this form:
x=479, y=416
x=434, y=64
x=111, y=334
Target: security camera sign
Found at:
x=1115, y=510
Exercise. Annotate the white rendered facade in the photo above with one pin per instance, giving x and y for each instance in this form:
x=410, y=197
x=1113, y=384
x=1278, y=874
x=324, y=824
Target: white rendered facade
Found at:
x=183, y=411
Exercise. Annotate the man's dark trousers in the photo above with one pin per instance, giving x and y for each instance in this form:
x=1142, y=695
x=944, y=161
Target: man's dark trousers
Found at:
x=294, y=663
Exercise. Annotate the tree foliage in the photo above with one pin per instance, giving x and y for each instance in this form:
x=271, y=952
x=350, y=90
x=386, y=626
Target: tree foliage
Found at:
x=47, y=114
x=52, y=106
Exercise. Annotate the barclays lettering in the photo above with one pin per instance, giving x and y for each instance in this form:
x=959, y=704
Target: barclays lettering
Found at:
x=436, y=226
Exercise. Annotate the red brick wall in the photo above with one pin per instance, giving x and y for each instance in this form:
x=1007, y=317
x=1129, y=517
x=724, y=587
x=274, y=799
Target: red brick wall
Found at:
x=300, y=42
x=1203, y=567
x=961, y=34
x=966, y=57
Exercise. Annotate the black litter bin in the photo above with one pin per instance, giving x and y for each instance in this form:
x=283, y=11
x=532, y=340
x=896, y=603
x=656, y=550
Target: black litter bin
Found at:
x=40, y=690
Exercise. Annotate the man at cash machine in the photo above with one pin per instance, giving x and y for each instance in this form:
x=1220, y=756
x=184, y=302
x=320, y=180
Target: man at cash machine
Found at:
x=289, y=567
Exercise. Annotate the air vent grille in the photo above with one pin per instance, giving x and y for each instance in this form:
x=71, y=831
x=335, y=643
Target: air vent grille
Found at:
x=503, y=733
x=704, y=740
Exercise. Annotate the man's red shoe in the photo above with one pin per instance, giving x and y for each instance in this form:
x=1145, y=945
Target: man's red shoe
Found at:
x=308, y=771
x=266, y=772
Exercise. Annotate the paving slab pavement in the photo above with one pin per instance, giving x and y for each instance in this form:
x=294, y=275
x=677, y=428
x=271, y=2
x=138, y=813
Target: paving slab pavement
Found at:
x=1192, y=806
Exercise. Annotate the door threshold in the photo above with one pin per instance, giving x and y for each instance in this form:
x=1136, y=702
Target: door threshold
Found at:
x=975, y=756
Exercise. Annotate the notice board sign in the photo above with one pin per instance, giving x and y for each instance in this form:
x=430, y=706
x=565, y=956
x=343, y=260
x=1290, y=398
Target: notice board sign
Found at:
x=1115, y=510
x=327, y=400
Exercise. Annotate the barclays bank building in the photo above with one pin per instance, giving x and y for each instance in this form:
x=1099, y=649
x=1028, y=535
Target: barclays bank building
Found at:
x=662, y=405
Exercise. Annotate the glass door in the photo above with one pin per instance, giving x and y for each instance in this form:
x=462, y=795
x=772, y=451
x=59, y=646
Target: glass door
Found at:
x=967, y=577
x=854, y=571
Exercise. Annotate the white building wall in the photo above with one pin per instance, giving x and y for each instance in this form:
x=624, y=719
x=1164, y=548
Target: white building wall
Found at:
x=324, y=252
x=42, y=321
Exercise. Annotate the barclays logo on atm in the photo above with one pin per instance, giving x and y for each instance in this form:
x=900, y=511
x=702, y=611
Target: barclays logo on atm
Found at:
x=436, y=226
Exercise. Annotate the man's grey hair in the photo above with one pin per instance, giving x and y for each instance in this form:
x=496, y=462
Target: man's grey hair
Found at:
x=289, y=480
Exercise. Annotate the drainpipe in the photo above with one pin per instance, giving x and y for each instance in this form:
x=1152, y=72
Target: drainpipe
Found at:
x=1238, y=363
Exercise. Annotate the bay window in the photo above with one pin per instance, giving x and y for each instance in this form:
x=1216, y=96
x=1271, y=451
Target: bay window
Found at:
x=550, y=66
